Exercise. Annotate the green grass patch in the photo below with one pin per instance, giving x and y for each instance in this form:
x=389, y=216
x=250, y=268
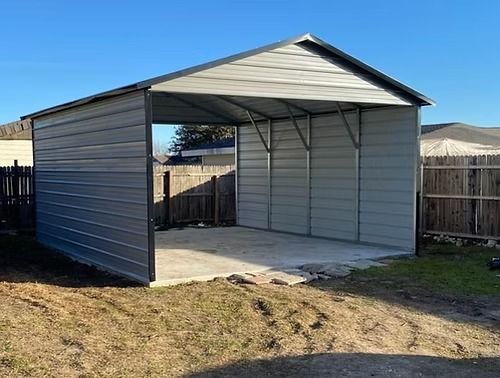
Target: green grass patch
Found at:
x=443, y=268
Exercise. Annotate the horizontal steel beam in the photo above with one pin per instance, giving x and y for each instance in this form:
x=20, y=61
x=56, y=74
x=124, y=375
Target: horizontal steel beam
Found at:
x=242, y=106
x=204, y=108
x=289, y=104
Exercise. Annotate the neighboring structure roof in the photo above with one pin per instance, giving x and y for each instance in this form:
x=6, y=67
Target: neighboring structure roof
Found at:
x=459, y=139
x=220, y=143
x=307, y=42
x=19, y=130
x=218, y=147
x=163, y=159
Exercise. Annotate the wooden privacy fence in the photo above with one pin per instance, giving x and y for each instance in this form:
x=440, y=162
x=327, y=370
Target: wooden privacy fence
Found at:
x=16, y=197
x=194, y=193
x=460, y=196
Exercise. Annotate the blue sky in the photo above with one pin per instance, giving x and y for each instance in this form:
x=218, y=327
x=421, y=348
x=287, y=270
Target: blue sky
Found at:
x=55, y=51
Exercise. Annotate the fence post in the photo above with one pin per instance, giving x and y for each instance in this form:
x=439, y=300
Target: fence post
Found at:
x=166, y=191
x=215, y=189
x=168, y=197
x=15, y=194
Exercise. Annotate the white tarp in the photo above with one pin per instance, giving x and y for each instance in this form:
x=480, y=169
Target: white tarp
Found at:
x=452, y=147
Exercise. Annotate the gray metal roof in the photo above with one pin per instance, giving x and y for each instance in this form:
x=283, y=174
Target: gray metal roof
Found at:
x=306, y=40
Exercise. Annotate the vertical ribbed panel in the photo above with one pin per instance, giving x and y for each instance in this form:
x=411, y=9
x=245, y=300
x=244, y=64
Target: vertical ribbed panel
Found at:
x=288, y=180
x=333, y=178
x=91, y=184
x=291, y=72
x=388, y=173
x=252, y=177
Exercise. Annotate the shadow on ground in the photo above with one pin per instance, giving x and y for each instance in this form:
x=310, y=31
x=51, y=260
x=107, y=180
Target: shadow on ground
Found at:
x=22, y=260
x=358, y=365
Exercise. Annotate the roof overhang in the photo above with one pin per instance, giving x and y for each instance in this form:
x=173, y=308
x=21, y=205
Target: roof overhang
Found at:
x=169, y=84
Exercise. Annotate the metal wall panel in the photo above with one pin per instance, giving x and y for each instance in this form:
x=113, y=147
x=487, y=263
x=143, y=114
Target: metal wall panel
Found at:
x=333, y=177
x=386, y=187
x=288, y=178
x=388, y=174
x=91, y=184
x=291, y=72
x=252, y=177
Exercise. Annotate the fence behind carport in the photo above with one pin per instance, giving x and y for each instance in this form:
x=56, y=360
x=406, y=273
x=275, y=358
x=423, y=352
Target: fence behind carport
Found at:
x=16, y=197
x=194, y=193
x=461, y=196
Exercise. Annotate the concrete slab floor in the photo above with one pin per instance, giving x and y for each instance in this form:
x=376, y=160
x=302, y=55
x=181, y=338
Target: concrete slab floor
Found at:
x=201, y=254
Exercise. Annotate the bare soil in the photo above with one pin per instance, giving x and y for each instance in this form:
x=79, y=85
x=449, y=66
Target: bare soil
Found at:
x=58, y=318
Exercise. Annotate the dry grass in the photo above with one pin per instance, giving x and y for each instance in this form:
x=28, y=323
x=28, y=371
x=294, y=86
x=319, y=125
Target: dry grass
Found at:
x=57, y=325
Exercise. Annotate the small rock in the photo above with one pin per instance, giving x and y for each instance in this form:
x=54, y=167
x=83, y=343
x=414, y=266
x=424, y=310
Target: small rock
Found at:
x=459, y=243
x=312, y=268
x=338, y=272
x=497, y=246
x=491, y=243
x=323, y=276
x=238, y=277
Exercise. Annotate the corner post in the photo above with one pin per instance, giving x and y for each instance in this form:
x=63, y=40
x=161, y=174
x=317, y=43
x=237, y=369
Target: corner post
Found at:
x=308, y=176
x=269, y=175
x=418, y=218
x=148, y=109
x=236, y=163
x=357, y=186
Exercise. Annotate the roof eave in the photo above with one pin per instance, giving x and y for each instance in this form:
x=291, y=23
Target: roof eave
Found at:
x=421, y=100
x=228, y=59
x=424, y=100
x=85, y=100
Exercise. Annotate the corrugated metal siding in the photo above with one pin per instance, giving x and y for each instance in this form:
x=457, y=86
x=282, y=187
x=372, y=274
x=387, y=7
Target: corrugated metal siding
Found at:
x=288, y=180
x=20, y=150
x=291, y=72
x=388, y=168
x=333, y=178
x=252, y=177
x=91, y=184
x=387, y=178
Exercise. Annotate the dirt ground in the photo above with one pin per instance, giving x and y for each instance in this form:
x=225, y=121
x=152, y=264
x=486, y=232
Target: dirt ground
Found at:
x=58, y=318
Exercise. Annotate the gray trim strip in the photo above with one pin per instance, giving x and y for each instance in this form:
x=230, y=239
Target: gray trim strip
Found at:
x=148, y=106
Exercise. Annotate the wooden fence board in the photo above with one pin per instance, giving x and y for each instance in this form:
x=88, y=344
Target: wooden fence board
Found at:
x=461, y=195
x=194, y=193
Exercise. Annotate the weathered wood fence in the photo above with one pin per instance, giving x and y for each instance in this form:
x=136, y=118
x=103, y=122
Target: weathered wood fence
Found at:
x=460, y=196
x=16, y=197
x=194, y=193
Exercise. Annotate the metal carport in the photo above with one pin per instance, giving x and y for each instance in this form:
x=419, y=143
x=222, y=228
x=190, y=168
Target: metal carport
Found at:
x=326, y=146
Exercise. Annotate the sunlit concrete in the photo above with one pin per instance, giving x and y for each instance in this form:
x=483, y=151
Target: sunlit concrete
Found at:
x=201, y=254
